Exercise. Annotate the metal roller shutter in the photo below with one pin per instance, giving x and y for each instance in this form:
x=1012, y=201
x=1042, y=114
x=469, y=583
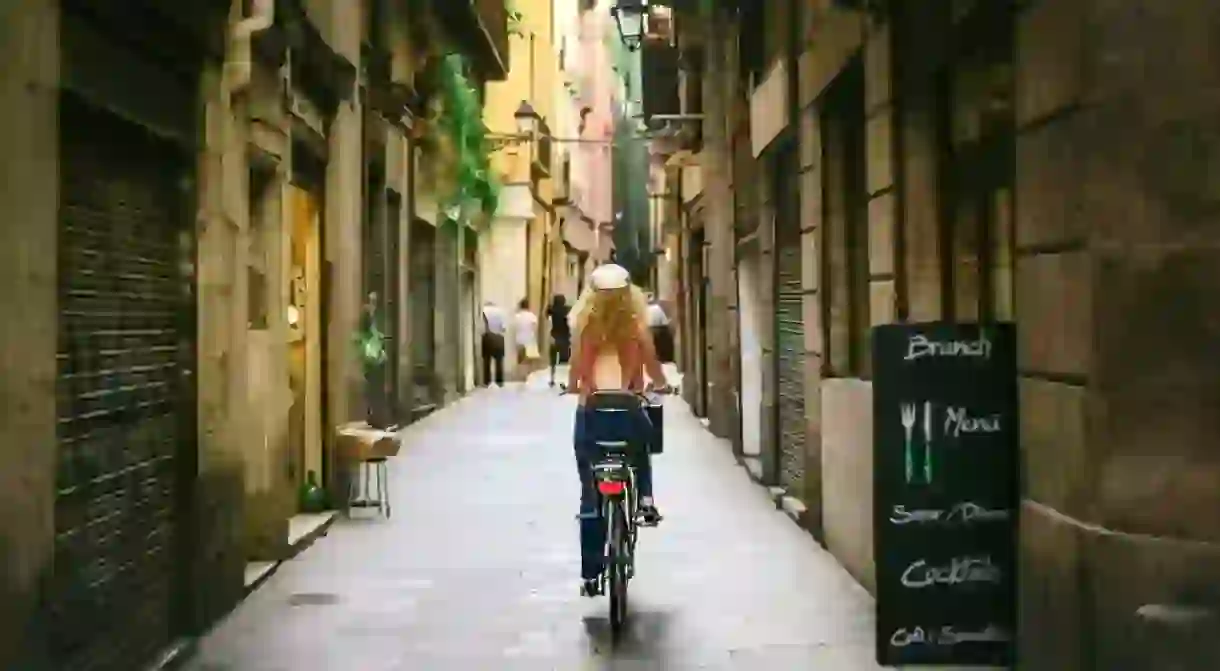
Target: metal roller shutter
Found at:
x=126, y=408
x=790, y=349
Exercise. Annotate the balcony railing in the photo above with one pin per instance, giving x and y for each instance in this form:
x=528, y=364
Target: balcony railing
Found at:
x=387, y=97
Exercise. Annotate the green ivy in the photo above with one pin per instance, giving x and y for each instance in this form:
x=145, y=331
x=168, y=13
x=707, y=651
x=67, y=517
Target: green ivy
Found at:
x=460, y=118
x=514, y=19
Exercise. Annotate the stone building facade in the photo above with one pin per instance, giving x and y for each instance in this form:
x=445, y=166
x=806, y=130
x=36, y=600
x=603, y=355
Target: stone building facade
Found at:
x=1034, y=161
x=201, y=196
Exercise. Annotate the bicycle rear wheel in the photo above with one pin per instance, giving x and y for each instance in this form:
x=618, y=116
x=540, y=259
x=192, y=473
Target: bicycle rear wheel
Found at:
x=618, y=561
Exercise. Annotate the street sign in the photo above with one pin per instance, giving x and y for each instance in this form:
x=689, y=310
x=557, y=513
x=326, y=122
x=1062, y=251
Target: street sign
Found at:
x=945, y=493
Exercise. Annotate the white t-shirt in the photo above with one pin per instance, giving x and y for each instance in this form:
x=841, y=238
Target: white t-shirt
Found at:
x=656, y=316
x=493, y=319
x=525, y=328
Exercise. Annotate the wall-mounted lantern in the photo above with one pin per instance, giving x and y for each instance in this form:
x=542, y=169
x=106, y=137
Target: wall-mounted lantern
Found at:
x=527, y=119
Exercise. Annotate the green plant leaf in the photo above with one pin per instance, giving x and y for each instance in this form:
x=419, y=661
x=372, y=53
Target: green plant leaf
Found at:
x=464, y=174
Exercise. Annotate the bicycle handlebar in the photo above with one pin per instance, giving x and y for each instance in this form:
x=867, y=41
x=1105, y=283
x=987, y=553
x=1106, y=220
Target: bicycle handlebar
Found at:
x=668, y=390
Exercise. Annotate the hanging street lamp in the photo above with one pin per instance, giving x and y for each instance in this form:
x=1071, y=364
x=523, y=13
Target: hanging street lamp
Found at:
x=630, y=16
x=527, y=119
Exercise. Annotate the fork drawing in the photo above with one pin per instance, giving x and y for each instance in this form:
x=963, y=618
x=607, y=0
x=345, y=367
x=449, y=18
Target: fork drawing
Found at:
x=909, y=414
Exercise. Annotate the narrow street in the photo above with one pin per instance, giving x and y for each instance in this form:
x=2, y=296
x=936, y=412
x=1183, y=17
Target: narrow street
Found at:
x=477, y=568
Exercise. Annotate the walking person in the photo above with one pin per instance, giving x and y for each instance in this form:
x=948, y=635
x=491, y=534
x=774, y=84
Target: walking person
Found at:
x=561, y=333
x=525, y=336
x=495, y=323
x=662, y=335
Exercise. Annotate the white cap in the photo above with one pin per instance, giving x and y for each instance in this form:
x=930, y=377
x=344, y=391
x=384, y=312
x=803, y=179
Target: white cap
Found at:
x=609, y=276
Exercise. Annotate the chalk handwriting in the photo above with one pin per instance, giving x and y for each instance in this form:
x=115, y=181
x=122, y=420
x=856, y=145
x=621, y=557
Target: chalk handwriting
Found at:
x=919, y=346
x=992, y=634
x=903, y=516
x=904, y=637
x=968, y=512
x=958, y=421
x=965, y=512
x=948, y=636
x=961, y=570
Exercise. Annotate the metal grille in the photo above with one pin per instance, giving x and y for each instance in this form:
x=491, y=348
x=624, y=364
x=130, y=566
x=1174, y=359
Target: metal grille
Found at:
x=124, y=362
x=790, y=349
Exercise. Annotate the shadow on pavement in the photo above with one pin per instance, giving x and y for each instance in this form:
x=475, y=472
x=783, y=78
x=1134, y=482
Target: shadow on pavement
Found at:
x=644, y=638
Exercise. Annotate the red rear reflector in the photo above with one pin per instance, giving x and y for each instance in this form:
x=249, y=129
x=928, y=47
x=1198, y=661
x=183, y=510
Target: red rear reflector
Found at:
x=610, y=488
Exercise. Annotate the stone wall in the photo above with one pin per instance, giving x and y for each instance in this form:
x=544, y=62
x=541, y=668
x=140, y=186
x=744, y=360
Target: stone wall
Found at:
x=217, y=575
x=1117, y=277
x=838, y=403
x=718, y=218
x=29, y=198
x=1116, y=274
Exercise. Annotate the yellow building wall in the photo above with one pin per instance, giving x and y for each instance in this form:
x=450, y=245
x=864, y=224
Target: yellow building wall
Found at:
x=533, y=77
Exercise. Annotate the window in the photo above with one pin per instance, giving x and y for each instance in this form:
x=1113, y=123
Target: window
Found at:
x=751, y=45
x=845, y=273
x=978, y=146
x=376, y=21
x=776, y=28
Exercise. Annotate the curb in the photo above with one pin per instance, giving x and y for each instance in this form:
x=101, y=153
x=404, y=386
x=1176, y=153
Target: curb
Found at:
x=791, y=506
x=294, y=550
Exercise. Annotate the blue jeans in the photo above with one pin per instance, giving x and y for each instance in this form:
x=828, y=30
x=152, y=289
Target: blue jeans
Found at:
x=591, y=426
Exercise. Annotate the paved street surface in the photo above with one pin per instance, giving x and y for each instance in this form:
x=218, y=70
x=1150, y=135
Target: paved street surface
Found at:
x=477, y=569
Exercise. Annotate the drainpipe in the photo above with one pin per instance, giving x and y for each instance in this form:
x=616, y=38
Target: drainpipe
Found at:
x=240, y=66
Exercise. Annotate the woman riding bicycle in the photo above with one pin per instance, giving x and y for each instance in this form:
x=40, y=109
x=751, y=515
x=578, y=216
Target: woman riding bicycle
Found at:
x=613, y=349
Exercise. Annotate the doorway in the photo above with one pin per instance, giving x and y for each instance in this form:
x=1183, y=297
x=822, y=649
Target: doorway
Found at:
x=467, y=314
x=393, y=302
x=751, y=355
x=422, y=289
x=699, y=292
x=303, y=252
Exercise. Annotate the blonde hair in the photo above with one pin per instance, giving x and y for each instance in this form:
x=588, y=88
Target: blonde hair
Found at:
x=609, y=315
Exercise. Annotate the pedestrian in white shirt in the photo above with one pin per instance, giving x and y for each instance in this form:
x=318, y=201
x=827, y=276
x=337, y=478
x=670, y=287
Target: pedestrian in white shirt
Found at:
x=656, y=314
x=658, y=324
x=525, y=335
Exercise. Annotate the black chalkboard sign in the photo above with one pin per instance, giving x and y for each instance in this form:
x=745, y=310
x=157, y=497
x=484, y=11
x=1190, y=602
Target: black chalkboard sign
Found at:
x=945, y=493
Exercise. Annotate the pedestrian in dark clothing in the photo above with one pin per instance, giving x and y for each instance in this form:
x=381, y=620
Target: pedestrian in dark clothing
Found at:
x=495, y=323
x=561, y=333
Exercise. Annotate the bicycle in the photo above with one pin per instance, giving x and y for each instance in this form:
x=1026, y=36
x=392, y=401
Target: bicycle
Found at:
x=614, y=477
